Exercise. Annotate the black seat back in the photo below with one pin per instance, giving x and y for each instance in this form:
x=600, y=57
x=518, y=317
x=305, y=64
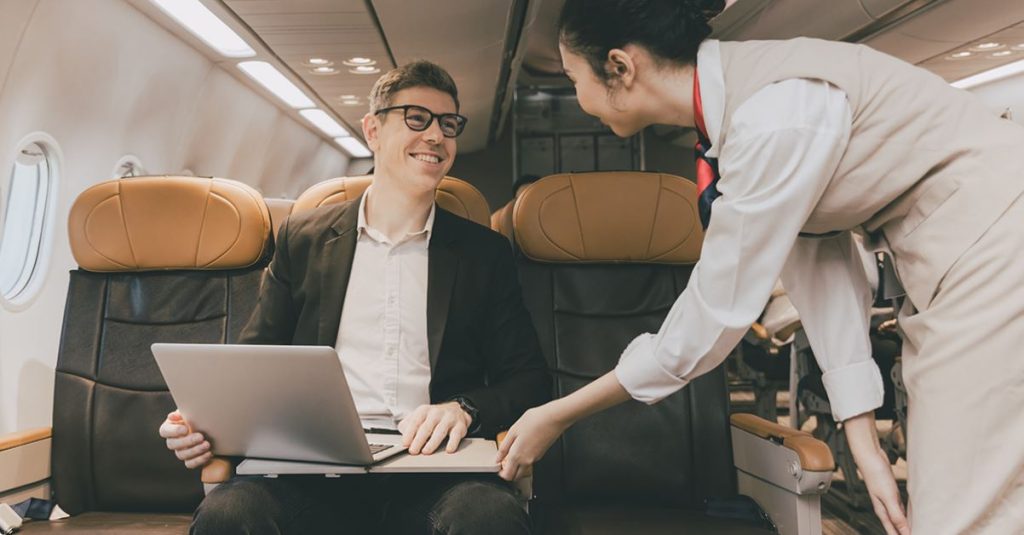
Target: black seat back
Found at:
x=602, y=258
x=162, y=259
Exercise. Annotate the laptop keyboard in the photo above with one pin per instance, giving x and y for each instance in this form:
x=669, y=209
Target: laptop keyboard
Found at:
x=377, y=448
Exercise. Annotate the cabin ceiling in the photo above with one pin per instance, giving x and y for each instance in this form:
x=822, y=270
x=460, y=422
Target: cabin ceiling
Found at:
x=922, y=32
x=466, y=38
x=469, y=39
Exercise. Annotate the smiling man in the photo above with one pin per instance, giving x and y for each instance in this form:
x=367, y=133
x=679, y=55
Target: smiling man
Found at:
x=425, y=311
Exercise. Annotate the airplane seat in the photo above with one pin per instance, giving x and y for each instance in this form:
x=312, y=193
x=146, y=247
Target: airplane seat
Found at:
x=161, y=259
x=280, y=209
x=602, y=257
x=501, y=220
x=457, y=196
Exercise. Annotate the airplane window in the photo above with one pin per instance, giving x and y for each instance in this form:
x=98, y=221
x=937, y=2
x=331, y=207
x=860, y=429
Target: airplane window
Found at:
x=27, y=201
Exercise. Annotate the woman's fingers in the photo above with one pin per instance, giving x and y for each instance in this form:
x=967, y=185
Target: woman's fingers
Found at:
x=506, y=444
x=188, y=454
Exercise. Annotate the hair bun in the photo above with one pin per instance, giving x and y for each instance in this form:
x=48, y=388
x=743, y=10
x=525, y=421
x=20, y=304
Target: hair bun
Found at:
x=702, y=11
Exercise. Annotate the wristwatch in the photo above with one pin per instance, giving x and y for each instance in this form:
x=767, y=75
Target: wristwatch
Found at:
x=470, y=409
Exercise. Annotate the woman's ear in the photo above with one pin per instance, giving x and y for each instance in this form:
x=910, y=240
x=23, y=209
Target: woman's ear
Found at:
x=621, y=65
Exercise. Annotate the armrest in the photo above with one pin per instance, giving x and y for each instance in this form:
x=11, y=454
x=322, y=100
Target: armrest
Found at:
x=814, y=454
x=22, y=438
x=25, y=463
x=759, y=331
x=218, y=470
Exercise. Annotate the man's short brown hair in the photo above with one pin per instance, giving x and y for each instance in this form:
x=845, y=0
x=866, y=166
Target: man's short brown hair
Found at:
x=416, y=74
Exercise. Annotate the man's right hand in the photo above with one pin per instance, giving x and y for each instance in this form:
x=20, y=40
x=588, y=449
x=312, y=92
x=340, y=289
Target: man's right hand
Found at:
x=192, y=448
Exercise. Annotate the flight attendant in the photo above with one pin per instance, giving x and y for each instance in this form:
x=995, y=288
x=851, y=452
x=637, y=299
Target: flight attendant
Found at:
x=802, y=143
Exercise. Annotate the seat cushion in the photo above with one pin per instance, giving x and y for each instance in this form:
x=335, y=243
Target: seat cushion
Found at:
x=114, y=524
x=626, y=520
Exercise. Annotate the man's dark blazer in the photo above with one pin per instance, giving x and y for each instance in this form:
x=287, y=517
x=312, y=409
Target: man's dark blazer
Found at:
x=482, y=344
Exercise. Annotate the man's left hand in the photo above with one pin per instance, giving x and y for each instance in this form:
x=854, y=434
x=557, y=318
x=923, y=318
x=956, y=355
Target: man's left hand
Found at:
x=428, y=426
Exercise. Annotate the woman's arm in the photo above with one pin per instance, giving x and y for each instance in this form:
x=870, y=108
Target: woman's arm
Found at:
x=874, y=468
x=543, y=425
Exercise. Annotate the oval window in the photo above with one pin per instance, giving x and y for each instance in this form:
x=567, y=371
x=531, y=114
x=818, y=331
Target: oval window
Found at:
x=25, y=215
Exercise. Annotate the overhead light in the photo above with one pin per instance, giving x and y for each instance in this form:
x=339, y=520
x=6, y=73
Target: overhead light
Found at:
x=272, y=80
x=364, y=69
x=985, y=47
x=351, y=102
x=355, y=62
x=991, y=75
x=1002, y=53
x=324, y=71
x=324, y=122
x=959, y=55
x=354, y=147
x=1019, y=46
x=319, y=62
x=202, y=23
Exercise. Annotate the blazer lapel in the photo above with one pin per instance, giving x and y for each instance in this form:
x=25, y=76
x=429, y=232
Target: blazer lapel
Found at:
x=442, y=264
x=335, y=269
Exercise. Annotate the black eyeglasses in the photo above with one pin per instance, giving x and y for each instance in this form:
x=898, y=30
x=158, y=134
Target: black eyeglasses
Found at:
x=418, y=119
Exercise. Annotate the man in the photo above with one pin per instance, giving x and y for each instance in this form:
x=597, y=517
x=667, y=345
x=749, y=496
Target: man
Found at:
x=425, y=310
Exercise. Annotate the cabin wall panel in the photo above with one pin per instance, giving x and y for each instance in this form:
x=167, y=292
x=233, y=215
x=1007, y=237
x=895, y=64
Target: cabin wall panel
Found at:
x=14, y=17
x=105, y=80
x=1002, y=94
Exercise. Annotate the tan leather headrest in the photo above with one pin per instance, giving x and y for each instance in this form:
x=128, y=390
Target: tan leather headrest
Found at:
x=501, y=220
x=457, y=196
x=168, y=222
x=609, y=217
x=280, y=209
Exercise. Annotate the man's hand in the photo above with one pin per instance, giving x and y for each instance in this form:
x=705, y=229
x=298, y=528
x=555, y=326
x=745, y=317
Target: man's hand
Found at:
x=192, y=448
x=425, y=429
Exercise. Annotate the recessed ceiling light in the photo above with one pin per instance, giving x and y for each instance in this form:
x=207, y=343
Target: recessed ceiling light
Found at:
x=319, y=61
x=1019, y=46
x=364, y=69
x=324, y=122
x=202, y=23
x=1001, y=53
x=354, y=62
x=324, y=70
x=990, y=45
x=353, y=146
x=270, y=78
x=959, y=55
x=348, y=97
x=350, y=102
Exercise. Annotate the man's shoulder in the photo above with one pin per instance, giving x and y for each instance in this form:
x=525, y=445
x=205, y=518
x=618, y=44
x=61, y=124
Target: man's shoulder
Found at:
x=310, y=224
x=471, y=233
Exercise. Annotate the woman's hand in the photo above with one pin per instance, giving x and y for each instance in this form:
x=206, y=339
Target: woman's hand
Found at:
x=528, y=440
x=885, y=495
x=877, y=473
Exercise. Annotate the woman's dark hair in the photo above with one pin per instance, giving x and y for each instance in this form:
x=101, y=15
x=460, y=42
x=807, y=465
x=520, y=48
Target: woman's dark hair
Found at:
x=671, y=30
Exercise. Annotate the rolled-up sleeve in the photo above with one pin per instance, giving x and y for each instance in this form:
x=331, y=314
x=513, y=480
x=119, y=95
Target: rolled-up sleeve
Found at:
x=782, y=149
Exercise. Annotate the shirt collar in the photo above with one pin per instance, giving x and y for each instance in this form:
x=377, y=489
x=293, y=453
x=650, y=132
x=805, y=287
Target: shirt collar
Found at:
x=712, y=91
x=365, y=229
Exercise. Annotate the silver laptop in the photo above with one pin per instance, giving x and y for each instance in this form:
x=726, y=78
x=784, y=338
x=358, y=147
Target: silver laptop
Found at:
x=271, y=402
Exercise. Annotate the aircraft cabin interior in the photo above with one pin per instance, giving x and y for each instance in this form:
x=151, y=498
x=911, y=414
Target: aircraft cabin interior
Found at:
x=160, y=159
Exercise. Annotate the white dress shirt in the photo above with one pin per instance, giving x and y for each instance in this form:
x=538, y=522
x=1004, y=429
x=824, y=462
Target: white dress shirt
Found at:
x=782, y=148
x=382, y=338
